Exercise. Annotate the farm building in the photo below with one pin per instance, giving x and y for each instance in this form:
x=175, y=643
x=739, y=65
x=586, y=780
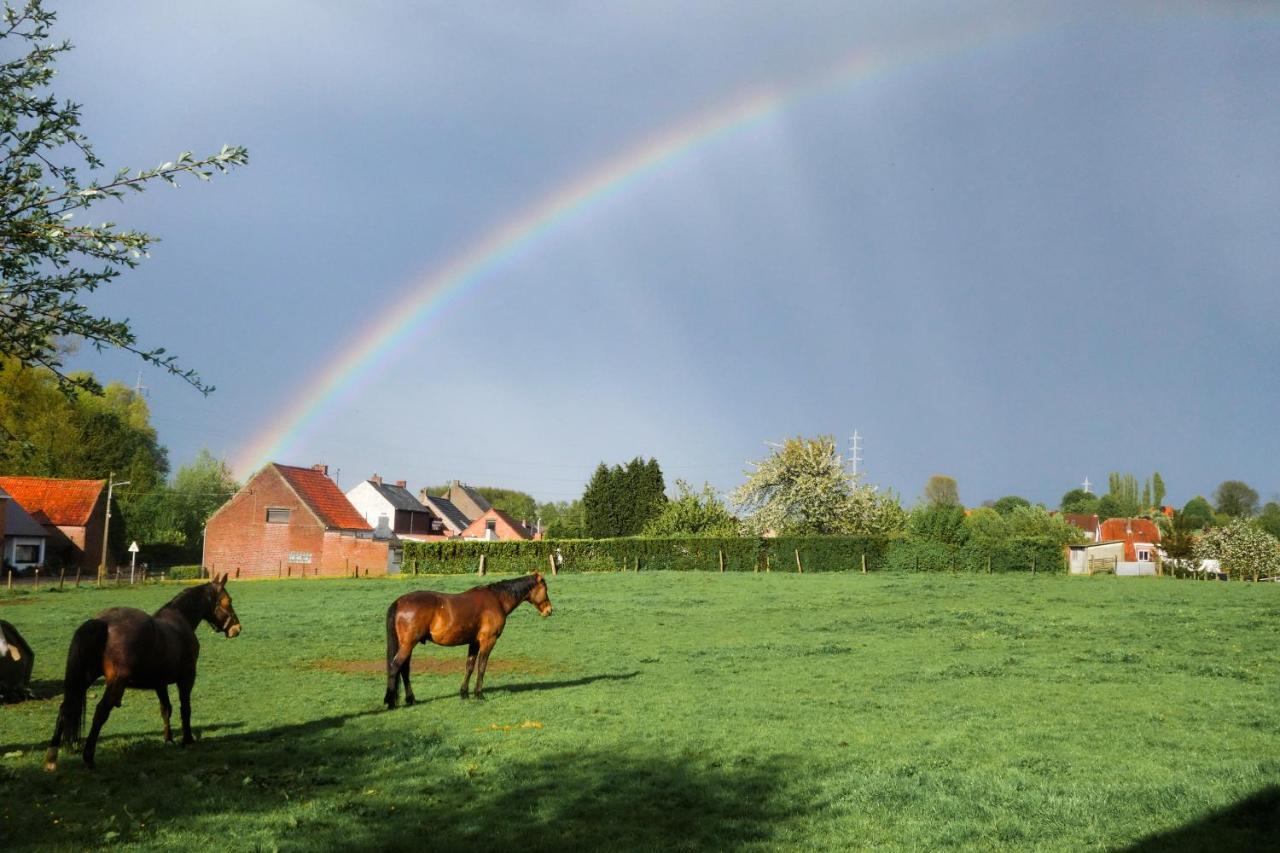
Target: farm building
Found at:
x=407, y=517
x=451, y=519
x=73, y=514
x=1094, y=557
x=289, y=521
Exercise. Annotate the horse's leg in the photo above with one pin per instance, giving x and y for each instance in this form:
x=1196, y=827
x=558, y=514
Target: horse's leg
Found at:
x=397, y=665
x=184, y=704
x=404, y=676
x=110, y=699
x=486, y=646
x=472, y=649
x=166, y=710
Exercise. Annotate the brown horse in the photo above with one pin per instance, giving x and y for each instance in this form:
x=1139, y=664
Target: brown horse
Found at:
x=475, y=617
x=132, y=649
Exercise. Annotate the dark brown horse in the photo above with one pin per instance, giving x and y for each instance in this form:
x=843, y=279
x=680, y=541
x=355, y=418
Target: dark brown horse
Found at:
x=131, y=649
x=475, y=618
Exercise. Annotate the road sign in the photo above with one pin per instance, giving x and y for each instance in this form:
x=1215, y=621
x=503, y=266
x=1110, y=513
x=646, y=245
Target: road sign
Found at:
x=133, y=549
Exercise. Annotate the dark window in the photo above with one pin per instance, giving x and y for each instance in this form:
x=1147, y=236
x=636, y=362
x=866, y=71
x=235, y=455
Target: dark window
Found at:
x=490, y=526
x=26, y=553
x=277, y=516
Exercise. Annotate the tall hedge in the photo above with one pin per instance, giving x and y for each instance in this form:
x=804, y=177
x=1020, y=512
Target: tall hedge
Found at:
x=741, y=554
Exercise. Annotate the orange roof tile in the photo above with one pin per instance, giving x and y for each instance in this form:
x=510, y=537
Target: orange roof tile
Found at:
x=324, y=497
x=1130, y=531
x=65, y=503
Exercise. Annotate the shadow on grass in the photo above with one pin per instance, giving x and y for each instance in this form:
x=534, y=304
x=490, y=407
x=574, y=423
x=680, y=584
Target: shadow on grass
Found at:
x=536, y=685
x=325, y=784
x=1252, y=824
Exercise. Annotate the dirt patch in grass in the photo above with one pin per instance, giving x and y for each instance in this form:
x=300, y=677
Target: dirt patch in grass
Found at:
x=5, y=602
x=427, y=665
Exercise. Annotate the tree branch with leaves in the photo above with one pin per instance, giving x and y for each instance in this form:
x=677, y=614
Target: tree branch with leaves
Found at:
x=49, y=262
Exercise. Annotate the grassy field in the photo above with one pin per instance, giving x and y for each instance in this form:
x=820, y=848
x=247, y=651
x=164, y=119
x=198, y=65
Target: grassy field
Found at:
x=690, y=711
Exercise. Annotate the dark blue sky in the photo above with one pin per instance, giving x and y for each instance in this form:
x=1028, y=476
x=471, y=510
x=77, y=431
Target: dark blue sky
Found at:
x=1049, y=256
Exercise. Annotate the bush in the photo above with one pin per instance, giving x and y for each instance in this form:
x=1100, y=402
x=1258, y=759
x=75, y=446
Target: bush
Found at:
x=185, y=573
x=828, y=553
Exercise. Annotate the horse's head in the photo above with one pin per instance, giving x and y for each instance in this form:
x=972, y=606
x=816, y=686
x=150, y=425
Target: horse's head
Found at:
x=221, y=615
x=538, y=594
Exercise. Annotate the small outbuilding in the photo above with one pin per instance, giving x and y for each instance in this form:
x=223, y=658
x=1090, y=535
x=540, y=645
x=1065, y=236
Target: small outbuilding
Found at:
x=73, y=514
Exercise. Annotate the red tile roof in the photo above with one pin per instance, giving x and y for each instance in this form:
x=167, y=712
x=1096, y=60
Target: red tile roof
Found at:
x=1129, y=531
x=64, y=503
x=1086, y=522
x=324, y=497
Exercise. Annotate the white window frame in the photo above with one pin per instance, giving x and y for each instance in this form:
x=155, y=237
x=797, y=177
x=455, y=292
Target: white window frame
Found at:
x=38, y=541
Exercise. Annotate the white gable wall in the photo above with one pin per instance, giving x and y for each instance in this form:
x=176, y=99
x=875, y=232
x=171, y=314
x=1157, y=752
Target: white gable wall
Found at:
x=370, y=503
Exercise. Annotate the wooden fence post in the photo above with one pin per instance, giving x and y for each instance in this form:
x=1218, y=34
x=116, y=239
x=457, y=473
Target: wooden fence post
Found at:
x=237, y=573
x=799, y=567
x=481, y=571
x=988, y=564
x=279, y=568
x=637, y=563
x=551, y=558
x=721, y=552
x=77, y=577
x=864, y=562
x=766, y=562
x=37, y=589
x=62, y=578
x=1033, y=564
x=10, y=580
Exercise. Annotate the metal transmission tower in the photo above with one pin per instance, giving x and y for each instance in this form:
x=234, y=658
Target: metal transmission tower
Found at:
x=855, y=450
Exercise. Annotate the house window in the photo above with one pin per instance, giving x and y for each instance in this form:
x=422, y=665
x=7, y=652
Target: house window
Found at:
x=490, y=526
x=277, y=516
x=26, y=553
x=1144, y=556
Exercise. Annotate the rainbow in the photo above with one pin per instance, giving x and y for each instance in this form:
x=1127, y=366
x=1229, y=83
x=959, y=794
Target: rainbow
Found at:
x=428, y=298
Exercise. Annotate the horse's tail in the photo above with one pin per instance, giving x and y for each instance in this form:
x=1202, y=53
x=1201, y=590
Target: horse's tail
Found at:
x=393, y=642
x=84, y=664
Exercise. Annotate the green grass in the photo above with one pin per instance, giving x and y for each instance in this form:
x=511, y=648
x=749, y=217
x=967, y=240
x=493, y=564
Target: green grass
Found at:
x=690, y=711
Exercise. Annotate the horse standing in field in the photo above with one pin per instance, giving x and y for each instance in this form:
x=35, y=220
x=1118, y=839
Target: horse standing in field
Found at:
x=475, y=617
x=132, y=649
x=16, y=662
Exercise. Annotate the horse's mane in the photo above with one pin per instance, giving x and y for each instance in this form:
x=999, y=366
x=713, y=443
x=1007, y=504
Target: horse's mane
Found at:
x=519, y=587
x=186, y=599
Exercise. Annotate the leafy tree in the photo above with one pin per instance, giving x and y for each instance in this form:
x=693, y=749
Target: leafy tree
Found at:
x=1123, y=491
x=563, y=519
x=1009, y=503
x=803, y=488
x=1079, y=501
x=48, y=263
x=941, y=490
x=46, y=433
x=1157, y=489
x=1269, y=518
x=1037, y=521
x=986, y=526
x=693, y=514
x=1236, y=499
x=1178, y=542
x=943, y=523
x=1243, y=549
x=1109, y=506
x=176, y=514
x=1198, y=513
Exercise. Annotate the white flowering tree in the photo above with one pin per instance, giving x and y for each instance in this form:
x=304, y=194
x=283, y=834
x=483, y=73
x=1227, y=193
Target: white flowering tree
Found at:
x=804, y=488
x=1243, y=550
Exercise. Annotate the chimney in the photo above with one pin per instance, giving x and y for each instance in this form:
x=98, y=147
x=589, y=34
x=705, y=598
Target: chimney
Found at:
x=376, y=479
x=321, y=469
x=403, y=484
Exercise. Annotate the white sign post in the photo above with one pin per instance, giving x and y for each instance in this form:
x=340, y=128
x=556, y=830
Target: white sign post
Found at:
x=133, y=560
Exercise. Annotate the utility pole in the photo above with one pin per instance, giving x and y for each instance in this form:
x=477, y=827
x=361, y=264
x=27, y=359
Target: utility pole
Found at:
x=106, y=528
x=856, y=448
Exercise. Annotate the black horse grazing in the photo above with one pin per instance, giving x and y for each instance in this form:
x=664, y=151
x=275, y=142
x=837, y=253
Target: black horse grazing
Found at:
x=474, y=618
x=131, y=649
x=16, y=662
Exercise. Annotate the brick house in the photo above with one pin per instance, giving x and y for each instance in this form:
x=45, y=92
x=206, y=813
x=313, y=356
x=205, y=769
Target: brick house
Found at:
x=289, y=521
x=1085, y=521
x=494, y=524
x=73, y=514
